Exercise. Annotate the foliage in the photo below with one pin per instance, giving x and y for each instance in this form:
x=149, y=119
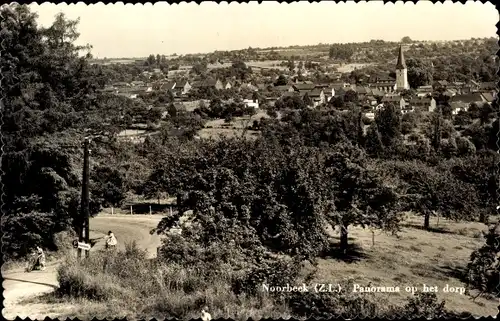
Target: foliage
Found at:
x=49, y=88
x=419, y=73
x=108, y=186
x=482, y=270
x=435, y=190
x=341, y=52
x=388, y=122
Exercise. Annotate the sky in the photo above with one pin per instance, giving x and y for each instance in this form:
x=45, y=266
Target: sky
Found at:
x=128, y=30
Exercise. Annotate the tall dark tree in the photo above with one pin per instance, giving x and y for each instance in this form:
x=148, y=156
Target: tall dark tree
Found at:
x=420, y=72
x=48, y=98
x=388, y=120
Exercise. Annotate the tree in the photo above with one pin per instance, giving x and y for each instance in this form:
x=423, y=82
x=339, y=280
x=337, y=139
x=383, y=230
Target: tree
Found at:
x=486, y=112
x=406, y=39
x=151, y=60
x=281, y=81
x=373, y=141
x=341, y=52
x=388, y=120
x=274, y=195
x=350, y=96
x=49, y=97
x=435, y=190
x=172, y=111
x=108, y=185
x=482, y=270
x=419, y=72
x=307, y=100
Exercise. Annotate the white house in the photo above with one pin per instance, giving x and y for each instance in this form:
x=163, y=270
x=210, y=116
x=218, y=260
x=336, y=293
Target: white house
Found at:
x=251, y=103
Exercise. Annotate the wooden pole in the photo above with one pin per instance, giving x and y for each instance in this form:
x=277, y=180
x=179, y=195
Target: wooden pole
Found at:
x=112, y=210
x=130, y=209
x=86, y=193
x=150, y=212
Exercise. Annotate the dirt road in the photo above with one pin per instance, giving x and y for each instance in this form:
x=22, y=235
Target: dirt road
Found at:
x=19, y=286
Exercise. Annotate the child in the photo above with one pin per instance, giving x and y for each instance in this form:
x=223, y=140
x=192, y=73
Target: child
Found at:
x=111, y=241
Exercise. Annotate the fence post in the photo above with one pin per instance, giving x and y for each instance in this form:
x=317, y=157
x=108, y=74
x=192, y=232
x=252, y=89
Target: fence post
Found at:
x=150, y=212
x=112, y=210
x=130, y=209
x=170, y=210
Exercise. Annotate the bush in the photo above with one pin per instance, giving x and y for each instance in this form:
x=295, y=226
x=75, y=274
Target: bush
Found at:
x=482, y=270
x=344, y=304
x=423, y=305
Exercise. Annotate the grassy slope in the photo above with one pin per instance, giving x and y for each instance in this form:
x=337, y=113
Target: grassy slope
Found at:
x=417, y=257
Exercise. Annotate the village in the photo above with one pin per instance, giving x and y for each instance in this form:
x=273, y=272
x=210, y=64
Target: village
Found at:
x=261, y=91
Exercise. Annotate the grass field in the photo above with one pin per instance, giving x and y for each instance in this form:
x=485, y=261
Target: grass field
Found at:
x=218, y=127
x=413, y=258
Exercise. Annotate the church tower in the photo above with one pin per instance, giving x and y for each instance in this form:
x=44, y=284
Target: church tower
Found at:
x=401, y=72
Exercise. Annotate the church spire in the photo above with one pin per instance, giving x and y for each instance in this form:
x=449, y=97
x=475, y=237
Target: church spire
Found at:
x=401, y=60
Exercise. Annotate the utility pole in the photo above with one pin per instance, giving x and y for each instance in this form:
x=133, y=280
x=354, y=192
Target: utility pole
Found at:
x=84, y=208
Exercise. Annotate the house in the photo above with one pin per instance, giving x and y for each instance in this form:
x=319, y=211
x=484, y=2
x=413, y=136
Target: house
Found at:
x=450, y=92
x=462, y=102
x=370, y=100
x=328, y=92
x=341, y=84
x=249, y=86
x=424, y=104
x=270, y=97
x=137, y=83
x=317, y=96
x=377, y=93
x=488, y=87
x=397, y=100
x=169, y=86
x=488, y=97
x=362, y=91
x=339, y=91
x=383, y=83
x=228, y=85
x=284, y=88
x=440, y=85
x=251, y=103
x=216, y=84
x=303, y=86
x=289, y=94
x=183, y=87
x=423, y=91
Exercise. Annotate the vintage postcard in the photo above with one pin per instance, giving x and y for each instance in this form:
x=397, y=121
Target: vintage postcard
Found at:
x=246, y=160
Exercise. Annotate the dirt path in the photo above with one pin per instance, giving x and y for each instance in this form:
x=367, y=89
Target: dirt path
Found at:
x=19, y=286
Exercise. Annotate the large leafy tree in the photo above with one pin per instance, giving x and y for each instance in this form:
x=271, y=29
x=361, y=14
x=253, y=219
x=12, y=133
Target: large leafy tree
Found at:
x=419, y=72
x=435, y=190
x=284, y=194
x=388, y=124
x=48, y=93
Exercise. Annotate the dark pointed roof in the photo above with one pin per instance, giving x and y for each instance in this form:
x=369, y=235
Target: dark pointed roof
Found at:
x=401, y=60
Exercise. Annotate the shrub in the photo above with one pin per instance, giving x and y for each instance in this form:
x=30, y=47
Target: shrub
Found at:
x=345, y=304
x=482, y=270
x=423, y=305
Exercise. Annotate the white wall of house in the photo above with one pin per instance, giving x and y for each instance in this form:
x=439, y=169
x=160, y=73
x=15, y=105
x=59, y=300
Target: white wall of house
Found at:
x=251, y=103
